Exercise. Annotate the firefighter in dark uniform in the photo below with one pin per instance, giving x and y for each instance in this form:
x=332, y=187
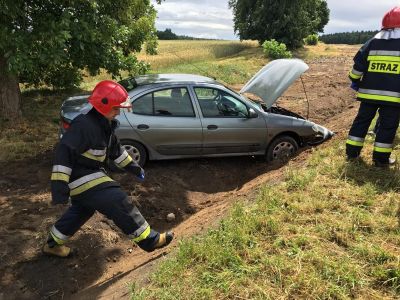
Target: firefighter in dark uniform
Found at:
x=78, y=174
x=376, y=77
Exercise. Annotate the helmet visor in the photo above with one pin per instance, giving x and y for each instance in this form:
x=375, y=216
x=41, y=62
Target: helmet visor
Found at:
x=126, y=103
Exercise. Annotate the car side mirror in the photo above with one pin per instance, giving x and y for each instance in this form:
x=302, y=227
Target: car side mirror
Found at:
x=252, y=113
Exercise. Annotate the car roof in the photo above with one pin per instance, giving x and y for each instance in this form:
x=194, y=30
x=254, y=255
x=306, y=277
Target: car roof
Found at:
x=172, y=78
x=160, y=79
x=135, y=85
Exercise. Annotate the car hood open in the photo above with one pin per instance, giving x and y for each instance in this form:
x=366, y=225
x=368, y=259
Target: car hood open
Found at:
x=274, y=78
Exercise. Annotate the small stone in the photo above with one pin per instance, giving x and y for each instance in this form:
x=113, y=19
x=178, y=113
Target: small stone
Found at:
x=170, y=217
x=130, y=250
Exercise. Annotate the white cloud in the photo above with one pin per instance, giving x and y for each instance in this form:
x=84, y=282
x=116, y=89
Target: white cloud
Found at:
x=202, y=19
x=353, y=15
x=213, y=18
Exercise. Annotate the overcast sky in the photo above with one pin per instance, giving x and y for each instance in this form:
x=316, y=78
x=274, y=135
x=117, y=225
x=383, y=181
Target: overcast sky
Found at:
x=213, y=18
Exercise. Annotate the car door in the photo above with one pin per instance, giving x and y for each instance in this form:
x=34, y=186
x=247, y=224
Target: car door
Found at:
x=166, y=122
x=227, y=125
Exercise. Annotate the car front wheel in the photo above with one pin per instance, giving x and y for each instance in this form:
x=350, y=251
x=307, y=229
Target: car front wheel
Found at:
x=282, y=149
x=136, y=151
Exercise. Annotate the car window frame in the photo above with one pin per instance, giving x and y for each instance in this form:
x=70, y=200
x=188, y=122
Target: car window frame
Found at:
x=221, y=89
x=165, y=87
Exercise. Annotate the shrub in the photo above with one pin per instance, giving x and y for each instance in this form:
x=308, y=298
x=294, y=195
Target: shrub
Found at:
x=312, y=39
x=274, y=49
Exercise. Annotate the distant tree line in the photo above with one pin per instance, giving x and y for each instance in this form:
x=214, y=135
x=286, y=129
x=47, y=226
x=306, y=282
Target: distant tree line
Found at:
x=167, y=34
x=350, y=38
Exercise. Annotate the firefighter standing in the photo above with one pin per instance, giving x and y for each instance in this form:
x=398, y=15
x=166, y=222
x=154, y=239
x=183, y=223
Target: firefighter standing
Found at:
x=78, y=173
x=376, y=76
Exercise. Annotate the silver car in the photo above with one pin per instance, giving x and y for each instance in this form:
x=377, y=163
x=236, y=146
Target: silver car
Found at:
x=180, y=116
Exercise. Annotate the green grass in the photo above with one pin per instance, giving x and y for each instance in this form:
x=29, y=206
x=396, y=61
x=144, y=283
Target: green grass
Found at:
x=329, y=230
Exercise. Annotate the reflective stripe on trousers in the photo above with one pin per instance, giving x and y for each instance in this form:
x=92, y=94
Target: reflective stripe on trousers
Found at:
x=355, y=141
x=383, y=148
x=58, y=236
x=87, y=182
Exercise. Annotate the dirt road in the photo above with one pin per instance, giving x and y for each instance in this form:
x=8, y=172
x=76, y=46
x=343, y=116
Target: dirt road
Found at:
x=197, y=191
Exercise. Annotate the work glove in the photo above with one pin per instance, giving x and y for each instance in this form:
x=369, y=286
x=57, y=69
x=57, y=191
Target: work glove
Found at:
x=141, y=176
x=354, y=86
x=136, y=170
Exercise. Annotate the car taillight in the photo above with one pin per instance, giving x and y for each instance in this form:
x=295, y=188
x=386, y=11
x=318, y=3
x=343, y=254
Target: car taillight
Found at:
x=65, y=124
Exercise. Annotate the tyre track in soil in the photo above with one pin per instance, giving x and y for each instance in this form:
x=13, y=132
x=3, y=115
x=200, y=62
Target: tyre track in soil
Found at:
x=197, y=191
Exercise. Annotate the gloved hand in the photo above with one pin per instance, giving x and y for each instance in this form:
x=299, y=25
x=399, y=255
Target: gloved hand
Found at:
x=141, y=176
x=136, y=170
x=354, y=86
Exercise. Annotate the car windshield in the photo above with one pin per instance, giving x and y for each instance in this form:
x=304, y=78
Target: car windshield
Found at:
x=257, y=103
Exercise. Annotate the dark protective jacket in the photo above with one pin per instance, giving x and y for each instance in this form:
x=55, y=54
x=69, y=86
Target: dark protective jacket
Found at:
x=377, y=67
x=82, y=156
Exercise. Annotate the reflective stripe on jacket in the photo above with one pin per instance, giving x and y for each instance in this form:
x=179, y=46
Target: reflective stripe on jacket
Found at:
x=82, y=155
x=376, y=69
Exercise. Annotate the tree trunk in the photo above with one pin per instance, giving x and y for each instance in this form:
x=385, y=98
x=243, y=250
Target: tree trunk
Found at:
x=10, y=94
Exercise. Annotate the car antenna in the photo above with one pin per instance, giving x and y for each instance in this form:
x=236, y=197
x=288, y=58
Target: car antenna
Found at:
x=308, y=102
x=203, y=71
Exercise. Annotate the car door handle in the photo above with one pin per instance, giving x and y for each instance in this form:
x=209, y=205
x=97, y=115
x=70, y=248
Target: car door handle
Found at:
x=143, y=126
x=212, y=127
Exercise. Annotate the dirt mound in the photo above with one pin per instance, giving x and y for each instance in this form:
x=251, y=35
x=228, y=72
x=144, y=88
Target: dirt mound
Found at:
x=197, y=191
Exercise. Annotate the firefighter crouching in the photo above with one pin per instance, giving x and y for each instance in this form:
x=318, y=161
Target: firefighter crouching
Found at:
x=78, y=173
x=376, y=77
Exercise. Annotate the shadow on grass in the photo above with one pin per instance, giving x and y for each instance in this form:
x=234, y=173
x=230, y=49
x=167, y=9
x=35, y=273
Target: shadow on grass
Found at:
x=383, y=179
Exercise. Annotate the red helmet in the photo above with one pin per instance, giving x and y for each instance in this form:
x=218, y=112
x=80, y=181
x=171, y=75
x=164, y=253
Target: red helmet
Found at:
x=108, y=94
x=391, y=19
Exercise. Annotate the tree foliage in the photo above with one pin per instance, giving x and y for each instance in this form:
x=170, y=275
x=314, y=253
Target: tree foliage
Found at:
x=287, y=21
x=312, y=39
x=51, y=41
x=275, y=50
x=350, y=38
x=167, y=34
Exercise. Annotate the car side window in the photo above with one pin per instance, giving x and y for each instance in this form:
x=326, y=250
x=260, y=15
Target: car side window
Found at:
x=143, y=105
x=216, y=103
x=173, y=102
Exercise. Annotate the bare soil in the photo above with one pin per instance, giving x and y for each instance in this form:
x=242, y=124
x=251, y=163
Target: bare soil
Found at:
x=197, y=191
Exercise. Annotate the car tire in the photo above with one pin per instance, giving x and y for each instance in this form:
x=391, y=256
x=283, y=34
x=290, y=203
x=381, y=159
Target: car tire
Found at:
x=136, y=150
x=282, y=149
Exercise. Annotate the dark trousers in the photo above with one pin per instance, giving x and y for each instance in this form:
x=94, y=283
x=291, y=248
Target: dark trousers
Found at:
x=385, y=134
x=115, y=205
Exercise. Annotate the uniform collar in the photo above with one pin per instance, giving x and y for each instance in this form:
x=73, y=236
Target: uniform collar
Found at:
x=113, y=124
x=388, y=34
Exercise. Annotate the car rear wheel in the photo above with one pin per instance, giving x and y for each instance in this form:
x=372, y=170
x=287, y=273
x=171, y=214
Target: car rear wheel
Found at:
x=136, y=151
x=282, y=149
